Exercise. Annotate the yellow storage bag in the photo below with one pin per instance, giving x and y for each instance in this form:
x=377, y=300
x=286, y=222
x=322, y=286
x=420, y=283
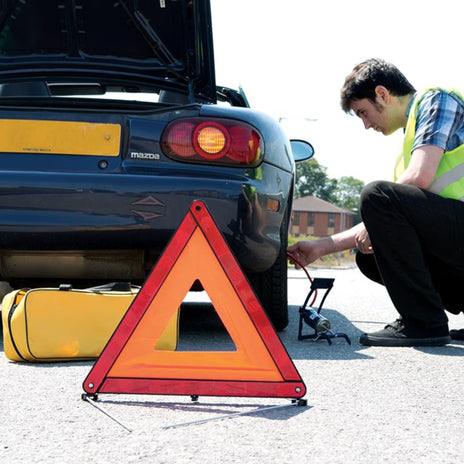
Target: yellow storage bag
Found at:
x=51, y=324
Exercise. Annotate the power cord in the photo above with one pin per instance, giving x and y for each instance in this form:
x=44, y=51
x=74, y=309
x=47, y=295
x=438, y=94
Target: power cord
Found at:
x=298, y=263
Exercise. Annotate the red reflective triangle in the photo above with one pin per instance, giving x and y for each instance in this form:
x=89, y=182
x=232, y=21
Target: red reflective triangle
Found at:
x=259, y=367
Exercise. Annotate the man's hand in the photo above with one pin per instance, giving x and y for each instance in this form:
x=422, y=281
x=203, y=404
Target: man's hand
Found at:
x=363, y=242
x=306, y=252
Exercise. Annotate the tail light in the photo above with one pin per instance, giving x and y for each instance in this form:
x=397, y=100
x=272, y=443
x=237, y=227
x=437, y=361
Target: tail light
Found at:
x=219, y=141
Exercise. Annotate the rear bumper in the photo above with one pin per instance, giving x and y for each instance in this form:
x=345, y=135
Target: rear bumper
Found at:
x=82, y=223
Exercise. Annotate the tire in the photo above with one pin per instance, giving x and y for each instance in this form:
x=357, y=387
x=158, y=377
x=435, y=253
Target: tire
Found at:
x=271, y=286
x=5, y=288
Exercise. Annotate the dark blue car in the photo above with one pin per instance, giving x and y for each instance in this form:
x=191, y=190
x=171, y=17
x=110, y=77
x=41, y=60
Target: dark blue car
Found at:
x=111, y=125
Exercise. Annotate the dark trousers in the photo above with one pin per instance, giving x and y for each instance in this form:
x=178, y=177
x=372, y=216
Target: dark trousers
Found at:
x=418, y=243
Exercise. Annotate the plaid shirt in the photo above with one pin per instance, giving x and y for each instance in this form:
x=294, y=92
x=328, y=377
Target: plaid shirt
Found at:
x=440, y=121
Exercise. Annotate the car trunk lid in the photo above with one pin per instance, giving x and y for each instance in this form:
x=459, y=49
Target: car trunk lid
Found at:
x=126, y=42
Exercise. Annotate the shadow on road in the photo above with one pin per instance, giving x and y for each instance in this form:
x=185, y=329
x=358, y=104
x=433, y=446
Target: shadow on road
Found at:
x=201, y=329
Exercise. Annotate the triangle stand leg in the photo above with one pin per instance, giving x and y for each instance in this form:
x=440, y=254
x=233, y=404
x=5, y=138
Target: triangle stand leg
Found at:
x=299, y=402
x=91, y=400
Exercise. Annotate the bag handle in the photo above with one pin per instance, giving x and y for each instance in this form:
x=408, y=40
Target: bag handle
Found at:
x=110, y=287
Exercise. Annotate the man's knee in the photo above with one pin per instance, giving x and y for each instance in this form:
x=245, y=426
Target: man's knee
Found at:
x=368, y=266
x=375, y=190
x=381, y=198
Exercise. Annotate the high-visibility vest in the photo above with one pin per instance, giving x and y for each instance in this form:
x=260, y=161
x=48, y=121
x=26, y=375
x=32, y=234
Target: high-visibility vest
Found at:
x=449, y=178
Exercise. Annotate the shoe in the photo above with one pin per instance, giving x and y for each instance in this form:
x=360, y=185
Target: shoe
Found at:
x=398, y=334
x=457, y=334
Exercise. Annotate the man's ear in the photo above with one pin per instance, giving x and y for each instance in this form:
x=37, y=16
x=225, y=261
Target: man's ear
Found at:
x=383, y=94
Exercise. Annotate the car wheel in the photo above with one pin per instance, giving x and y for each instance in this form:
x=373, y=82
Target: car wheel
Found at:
x=5, y=288
x=271, y=286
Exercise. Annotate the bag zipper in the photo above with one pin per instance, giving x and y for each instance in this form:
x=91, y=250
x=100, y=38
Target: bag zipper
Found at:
x=10, y=316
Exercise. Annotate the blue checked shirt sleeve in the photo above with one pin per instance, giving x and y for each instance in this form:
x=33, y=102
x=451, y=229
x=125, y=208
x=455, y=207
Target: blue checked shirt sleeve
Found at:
x=440, y=121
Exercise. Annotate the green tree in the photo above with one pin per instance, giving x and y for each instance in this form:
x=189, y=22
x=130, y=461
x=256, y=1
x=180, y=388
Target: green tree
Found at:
x=312, y=179
x=347, y=194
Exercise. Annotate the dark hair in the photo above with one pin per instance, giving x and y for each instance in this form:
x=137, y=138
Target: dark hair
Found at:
x=366, y=76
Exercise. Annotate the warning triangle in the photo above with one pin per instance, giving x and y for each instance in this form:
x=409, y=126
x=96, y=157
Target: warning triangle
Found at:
x=131, y=363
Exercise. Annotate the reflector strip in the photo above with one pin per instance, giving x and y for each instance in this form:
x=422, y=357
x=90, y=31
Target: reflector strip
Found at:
x=59, y=137
x=260, y=365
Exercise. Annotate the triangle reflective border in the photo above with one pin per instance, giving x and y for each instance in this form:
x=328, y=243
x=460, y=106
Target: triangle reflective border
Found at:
x=260, y=365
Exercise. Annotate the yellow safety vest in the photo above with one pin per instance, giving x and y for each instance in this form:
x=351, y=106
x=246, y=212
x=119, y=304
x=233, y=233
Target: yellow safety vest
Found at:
x=449, y=178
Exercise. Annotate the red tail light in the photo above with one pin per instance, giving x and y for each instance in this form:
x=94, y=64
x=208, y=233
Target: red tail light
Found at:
x=219, y=141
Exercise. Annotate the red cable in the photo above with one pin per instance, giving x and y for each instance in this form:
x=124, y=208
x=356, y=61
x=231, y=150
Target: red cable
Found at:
x=292, y=258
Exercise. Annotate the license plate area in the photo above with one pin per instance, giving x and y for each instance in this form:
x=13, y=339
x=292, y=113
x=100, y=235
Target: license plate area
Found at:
x=59, y=137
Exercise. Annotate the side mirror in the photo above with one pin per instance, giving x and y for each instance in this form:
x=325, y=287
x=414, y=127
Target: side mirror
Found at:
x=301, y=149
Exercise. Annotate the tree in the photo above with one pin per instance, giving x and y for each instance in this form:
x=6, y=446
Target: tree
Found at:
x=348, y=193
x=312, y=179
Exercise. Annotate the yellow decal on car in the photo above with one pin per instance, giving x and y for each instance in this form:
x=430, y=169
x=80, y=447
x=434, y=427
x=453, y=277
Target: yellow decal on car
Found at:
x=59, y=137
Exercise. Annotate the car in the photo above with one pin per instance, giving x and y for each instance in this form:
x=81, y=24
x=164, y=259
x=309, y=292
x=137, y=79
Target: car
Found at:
x=111, y=125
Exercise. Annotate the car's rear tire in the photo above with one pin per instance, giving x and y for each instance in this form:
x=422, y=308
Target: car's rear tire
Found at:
x=271, y=286
x=5, y=288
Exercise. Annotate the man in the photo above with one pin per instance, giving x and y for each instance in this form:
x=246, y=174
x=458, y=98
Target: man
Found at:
x=412, y=236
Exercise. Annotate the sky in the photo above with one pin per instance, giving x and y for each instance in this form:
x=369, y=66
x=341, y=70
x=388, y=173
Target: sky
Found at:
x=292, y=56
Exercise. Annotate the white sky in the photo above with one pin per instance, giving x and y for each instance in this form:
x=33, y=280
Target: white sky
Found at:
x=292, y=56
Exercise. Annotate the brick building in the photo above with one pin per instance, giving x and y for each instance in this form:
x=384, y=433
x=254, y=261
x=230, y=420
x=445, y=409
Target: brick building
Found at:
x=313, y=216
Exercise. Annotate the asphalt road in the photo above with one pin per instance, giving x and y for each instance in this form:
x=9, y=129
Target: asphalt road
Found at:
x=365, y=404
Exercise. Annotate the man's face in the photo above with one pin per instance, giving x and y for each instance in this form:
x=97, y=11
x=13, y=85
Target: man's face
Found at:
x=374, y=115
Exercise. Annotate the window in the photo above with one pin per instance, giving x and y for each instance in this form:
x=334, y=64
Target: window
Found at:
x=331, y=219
x=310, y=219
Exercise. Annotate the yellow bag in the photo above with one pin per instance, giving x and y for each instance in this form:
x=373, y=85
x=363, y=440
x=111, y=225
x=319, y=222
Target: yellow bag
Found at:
x=50, y=324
